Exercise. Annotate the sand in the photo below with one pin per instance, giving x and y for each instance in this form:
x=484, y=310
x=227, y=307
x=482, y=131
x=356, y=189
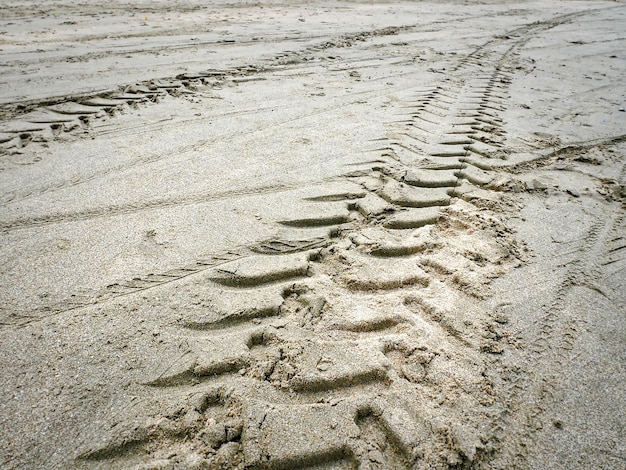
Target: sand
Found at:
x=312, y=235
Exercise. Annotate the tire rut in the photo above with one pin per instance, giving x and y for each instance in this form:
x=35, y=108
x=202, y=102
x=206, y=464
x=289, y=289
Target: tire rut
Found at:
x=317, y=358
x=44, y=120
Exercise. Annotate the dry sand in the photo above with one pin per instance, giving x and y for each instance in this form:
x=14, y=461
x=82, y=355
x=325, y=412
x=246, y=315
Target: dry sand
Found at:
x=312, y=235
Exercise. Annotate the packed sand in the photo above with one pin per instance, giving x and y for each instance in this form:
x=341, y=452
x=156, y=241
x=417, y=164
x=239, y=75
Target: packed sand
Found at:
x=330, y=235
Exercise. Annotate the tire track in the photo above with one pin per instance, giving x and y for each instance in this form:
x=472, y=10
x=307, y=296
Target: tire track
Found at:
x=557, y=330
x=141, y=283
x=42, y=120
x=291, y=346
x=286, y=339
x=311, y=369
x=16, y=196
x=121, y=209
x=77, y=112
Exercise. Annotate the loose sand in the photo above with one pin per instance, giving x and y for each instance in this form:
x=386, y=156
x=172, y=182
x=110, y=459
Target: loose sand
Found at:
x=312, y=234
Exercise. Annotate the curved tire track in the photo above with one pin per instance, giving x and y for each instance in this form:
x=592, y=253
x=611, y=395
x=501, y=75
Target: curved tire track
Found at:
x=337, y=369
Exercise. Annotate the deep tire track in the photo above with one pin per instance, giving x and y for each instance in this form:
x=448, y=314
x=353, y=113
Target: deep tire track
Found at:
x=426, y=169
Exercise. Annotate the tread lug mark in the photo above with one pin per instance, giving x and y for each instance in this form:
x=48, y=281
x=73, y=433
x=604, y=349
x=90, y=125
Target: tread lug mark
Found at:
x=430, y=178
x=205, y=425
x=279, y=437
x=378, y=241
x=393, y=432
x=47, y=117
x=413, y=218
x=366, y=321
x=341, y=196
x=224, y=309
x=475, y=176
x=372, y=206
x=327, y=218
x=205, y=358
x=405, y=195
x=278, y=247
x=447, y=321
x=262, y=269
x=72, y=108
x=329, y=366
x=375, y=274
x=104, y=103
x=409, y=359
